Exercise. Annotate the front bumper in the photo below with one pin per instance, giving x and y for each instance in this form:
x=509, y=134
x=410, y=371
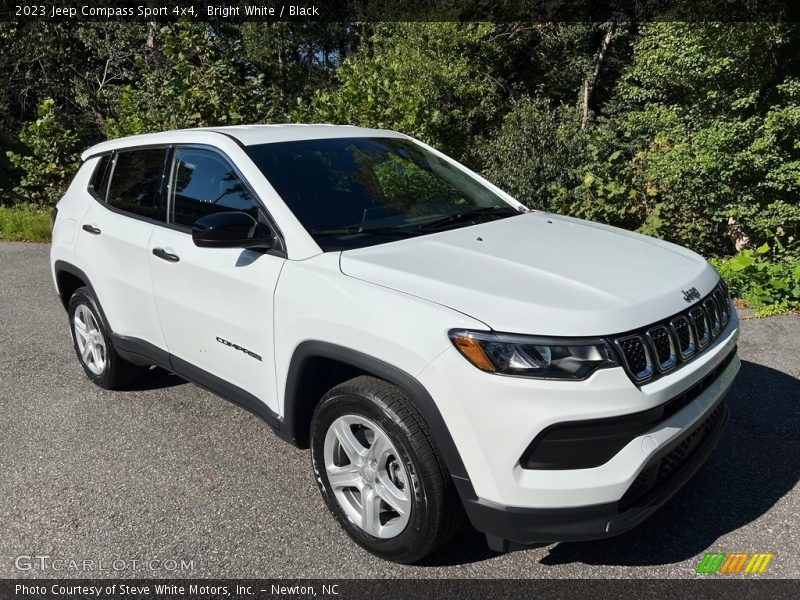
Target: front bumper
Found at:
x=493, y=419
x=506, y=525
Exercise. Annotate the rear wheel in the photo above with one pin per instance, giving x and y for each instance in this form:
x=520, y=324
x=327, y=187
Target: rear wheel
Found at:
x=380, y=473
x=93, y=345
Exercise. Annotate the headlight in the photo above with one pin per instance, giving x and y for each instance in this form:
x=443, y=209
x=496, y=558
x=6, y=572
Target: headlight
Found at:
x=527, y=356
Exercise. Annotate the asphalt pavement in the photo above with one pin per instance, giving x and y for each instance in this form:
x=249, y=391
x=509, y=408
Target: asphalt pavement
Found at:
x=167, y=472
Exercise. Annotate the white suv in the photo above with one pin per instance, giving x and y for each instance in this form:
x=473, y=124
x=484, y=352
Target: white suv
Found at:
x=441, y=349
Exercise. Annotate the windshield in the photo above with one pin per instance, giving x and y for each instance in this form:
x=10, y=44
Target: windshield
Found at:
x=356, y=192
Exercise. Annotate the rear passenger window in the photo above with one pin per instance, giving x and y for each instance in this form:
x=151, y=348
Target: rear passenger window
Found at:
x=99, y=181
x=136, y=183
x=204, y=183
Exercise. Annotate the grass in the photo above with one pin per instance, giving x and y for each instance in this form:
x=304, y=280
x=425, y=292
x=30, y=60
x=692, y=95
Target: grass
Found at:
x=25, y=223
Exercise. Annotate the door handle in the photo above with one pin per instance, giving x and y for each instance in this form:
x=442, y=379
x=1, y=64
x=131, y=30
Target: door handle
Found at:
x=164, y=255
x=91, y=229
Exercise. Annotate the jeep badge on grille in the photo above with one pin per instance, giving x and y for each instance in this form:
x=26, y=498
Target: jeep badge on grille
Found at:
x=691, y=294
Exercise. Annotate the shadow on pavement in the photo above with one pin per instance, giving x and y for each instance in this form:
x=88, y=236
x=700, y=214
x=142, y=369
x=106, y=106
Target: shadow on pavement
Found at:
x=754, y=466
x=155, y=379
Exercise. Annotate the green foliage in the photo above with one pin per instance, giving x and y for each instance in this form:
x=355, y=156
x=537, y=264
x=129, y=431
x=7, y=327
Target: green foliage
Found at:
x=25, y=223
x=709, y=123
x=698, y=144
x=295, y=59
x=428, y=80
x=535, y=153
x=52, y=160
x=766, y=278
x=596, y=191
x=191, y=82
x=691, y=131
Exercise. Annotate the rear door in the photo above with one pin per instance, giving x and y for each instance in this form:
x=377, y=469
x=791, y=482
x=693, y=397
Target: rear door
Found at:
x=114, y=239
x=215, y=304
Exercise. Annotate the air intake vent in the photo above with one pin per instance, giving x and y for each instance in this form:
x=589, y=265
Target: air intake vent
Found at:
x=637, y=357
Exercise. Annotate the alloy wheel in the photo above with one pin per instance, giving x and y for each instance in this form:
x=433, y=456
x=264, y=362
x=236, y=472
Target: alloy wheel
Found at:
x=89, y=338
x=367, y=476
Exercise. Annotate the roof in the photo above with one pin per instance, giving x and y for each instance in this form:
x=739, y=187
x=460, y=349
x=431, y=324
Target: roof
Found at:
x=247, y=135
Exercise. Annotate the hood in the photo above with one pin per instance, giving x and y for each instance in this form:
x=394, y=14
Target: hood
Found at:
x=540, y=274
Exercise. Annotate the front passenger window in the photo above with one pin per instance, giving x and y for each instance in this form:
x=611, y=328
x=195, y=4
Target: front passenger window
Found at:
x=203, y=183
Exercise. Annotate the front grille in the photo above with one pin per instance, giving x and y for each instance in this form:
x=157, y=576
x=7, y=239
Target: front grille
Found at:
x=654, y=350
x=665, y=468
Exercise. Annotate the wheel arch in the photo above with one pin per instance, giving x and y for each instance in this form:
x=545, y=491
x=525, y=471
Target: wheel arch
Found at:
x=316, y=366
x=68, y=279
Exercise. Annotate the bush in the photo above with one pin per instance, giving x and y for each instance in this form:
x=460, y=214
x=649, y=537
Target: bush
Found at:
x=25, y=223
x=53, y=161
x=535, y=151
x=766, y=279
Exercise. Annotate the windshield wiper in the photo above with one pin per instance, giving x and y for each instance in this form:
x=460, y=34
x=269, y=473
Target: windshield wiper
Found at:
x=470, y=214
x=354, y=229
x=419, y=229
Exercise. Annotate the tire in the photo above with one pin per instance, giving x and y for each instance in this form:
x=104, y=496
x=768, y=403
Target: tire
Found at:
x=423, y=511
x=102, y=365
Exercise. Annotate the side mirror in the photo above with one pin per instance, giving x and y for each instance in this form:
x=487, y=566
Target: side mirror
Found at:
x=232, y=229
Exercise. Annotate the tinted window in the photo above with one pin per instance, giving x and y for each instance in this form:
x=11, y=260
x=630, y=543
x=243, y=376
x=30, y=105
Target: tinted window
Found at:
x=204, y=183
x=99, y=180
x=359, y=184
x=136, y=183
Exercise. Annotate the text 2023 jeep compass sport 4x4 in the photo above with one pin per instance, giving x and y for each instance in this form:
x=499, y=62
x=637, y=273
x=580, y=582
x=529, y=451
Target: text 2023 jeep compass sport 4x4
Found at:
x=441, y=349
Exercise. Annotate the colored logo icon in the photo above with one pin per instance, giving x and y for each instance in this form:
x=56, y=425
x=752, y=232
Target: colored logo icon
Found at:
x=732, y=563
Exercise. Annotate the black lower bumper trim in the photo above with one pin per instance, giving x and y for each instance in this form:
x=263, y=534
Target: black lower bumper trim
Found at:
x=591, y=443
x=528, y=526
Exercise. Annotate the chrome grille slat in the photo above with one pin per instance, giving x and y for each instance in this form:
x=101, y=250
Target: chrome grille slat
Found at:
x=702, y=328
x=714, y=319
x=685, y=336
x=661, y=347
x=722, y=302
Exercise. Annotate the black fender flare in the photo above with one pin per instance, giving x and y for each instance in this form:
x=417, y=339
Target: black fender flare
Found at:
x=63, y=266
x=423, y=401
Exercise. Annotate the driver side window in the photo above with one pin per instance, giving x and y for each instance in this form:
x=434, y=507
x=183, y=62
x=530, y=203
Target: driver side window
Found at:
x=204, y=183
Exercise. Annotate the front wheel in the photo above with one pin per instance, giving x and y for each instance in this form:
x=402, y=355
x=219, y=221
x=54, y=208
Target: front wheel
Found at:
x=380, y=473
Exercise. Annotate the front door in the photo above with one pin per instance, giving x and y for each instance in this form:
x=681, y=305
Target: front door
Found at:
x=215, y=305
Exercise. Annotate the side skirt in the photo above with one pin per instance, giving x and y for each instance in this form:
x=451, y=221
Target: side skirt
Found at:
x=144, y=353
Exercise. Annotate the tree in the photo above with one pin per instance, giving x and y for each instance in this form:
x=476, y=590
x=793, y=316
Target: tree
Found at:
x=701, y=106
x=189, y=79
x=295, y=58
x=535, y=151
x=429, y=80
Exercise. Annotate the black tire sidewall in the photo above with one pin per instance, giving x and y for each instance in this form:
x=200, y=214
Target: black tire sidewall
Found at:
x=407, y=546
